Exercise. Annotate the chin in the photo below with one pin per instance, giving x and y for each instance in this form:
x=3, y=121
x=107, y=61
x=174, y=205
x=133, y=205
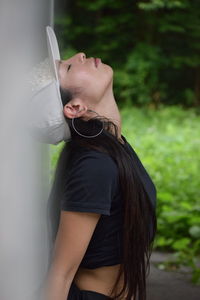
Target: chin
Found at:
x=109, y=71
x=108, y=67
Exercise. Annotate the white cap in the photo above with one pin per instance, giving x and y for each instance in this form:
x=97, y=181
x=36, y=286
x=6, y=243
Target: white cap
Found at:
x=48, y=123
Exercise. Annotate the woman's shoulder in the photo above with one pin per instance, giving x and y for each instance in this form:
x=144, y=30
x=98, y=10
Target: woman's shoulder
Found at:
x=93, y=158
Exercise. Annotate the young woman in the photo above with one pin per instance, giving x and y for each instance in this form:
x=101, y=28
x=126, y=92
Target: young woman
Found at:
x=106, y=199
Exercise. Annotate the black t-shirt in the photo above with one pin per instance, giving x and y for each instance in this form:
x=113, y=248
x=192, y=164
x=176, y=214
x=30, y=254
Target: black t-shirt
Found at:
x=92, y=185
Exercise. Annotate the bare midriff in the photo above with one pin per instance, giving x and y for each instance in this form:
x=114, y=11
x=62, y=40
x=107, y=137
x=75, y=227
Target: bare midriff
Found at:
x=100, y=280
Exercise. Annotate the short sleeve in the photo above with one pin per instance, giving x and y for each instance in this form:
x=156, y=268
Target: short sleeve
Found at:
x=90, y=184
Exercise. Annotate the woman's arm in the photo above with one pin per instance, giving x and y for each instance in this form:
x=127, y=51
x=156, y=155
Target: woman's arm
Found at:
x=73, y=237
x=56, y=287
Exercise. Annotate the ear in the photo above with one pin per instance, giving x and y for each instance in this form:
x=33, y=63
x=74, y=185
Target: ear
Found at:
x=75, y=108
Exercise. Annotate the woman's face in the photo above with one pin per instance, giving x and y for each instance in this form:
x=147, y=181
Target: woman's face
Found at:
x=83, y=74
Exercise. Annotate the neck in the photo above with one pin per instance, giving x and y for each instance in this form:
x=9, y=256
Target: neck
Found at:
x=108, y=108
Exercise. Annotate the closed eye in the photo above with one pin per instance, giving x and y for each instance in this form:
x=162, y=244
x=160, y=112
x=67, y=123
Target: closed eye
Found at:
x=69, y=66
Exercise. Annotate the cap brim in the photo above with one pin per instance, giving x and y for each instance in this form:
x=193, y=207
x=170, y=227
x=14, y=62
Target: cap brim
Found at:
x=53, y=50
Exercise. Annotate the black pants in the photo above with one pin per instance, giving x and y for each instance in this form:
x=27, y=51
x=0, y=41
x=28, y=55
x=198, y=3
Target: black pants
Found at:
x=76, y=294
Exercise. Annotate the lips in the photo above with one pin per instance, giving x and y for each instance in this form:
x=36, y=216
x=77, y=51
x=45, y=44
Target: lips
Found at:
x=97, y=61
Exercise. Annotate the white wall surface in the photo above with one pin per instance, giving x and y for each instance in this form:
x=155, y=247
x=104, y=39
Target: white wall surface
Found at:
x=24, y=164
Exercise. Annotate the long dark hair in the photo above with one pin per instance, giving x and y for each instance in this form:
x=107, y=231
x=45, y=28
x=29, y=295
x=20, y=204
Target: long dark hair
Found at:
x=138, y=211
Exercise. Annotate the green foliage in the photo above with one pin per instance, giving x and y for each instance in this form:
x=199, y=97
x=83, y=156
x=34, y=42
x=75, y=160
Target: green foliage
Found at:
x=153, y=46
x=167, y=142
x=156, y=4
x=55, y=151
x=139, y=79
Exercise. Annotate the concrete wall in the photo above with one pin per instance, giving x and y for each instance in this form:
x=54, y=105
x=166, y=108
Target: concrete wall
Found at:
x=24, y=164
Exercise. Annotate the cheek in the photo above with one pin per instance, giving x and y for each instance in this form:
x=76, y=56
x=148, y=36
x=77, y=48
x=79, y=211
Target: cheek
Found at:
x=85, y=78
x=79, y=79
x=93, y=83
x=89, y=82
x=97, y=80
x=97, y=83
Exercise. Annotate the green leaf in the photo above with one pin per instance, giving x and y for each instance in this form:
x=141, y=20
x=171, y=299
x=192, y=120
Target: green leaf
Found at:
x=181, y=244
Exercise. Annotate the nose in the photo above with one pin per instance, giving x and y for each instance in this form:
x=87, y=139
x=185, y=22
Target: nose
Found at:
x=81, y=56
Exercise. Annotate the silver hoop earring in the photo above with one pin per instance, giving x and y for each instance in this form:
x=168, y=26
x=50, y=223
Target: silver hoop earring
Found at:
x=87, y=136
